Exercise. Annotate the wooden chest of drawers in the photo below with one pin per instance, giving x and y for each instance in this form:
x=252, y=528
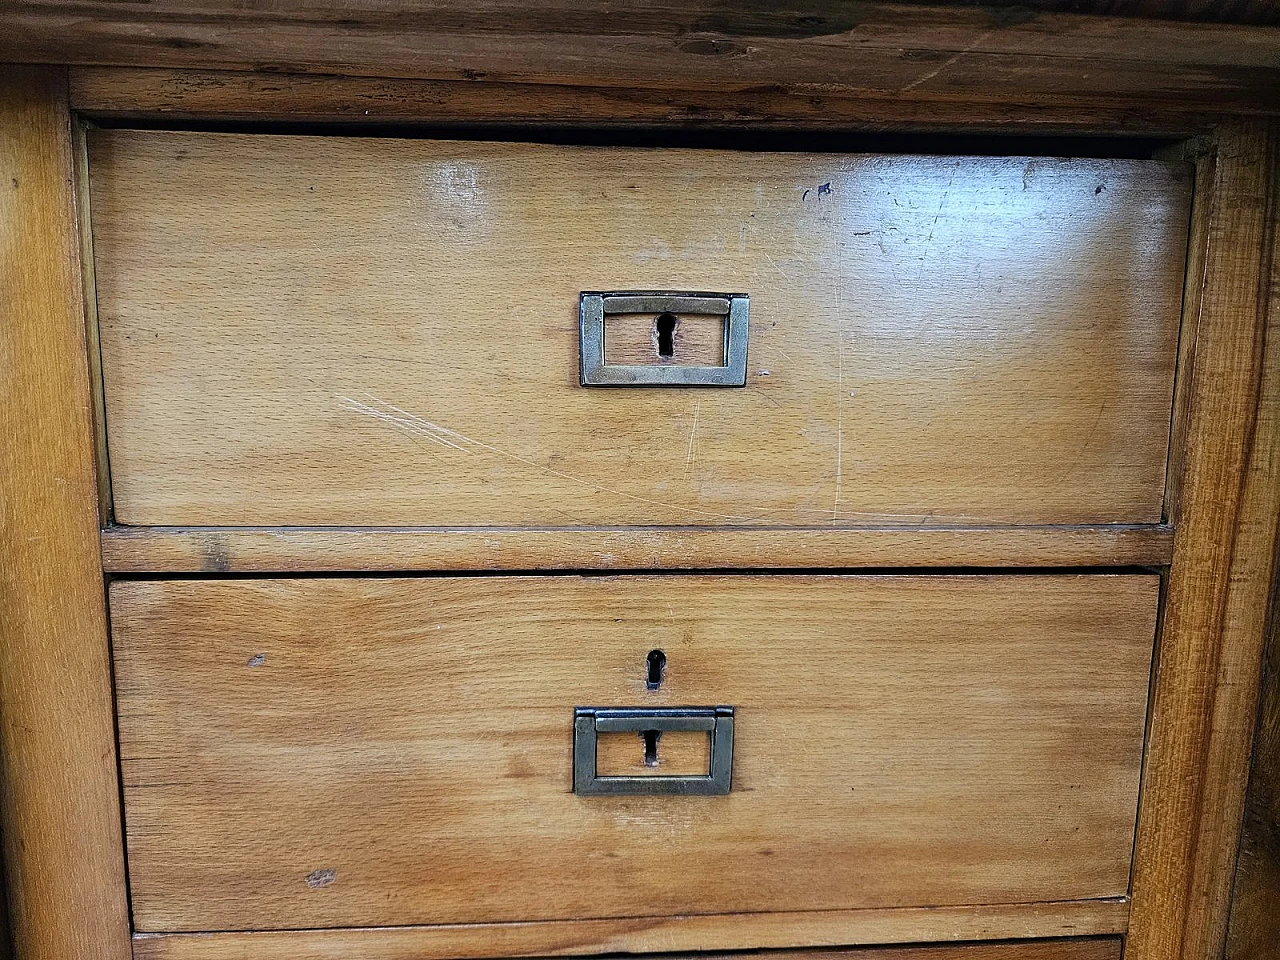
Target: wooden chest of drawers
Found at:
x=386, y=581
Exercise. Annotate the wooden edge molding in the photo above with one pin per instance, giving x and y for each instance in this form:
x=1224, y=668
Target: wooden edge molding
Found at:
x=124, y=93
x=59, y=796
x=1210, y=646
x=1198, y=151
x=142, y=550
x=749, y=931
x=879, y=50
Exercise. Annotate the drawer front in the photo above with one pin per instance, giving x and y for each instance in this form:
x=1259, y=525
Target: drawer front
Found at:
x=358, y=331
x=349, y=752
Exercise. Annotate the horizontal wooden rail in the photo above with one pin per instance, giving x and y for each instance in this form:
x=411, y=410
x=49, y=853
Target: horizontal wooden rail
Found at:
x=135, y=550
x=892, y=51
x=128, y=93
x=809, y=928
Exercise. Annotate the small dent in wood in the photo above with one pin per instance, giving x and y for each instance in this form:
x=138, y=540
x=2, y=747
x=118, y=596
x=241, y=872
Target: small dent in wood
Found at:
x=711, y=47
x=215, y=558
x=257, y=660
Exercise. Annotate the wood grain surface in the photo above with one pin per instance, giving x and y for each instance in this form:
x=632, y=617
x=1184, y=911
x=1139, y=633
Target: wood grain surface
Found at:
x=877, y=51
x=360, y=331
x=58, y=786
x=1212, y=635
x=574, y=938
x=338, y=752
x=337, y=549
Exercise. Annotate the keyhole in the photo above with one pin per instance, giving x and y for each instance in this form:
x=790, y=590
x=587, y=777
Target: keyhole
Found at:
x=655, y=663
x=651, y=746
x=666, y=327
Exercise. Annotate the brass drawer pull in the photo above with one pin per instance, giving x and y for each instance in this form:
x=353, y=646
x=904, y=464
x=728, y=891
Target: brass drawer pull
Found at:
x=590, y=721
x=596, y=371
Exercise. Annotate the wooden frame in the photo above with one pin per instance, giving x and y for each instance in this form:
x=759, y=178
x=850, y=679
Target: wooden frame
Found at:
x=63, y=847
x=68, y=896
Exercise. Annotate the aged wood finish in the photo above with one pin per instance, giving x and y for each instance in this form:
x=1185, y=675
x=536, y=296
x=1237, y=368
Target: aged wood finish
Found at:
x=413, y=737
x=1254, y=928
x=58, y=786
x=333, y=549
x=1259, y=12
x=1079, y=919
x=335, y=331
x=876, y=51
x=1219, y=580
x=113, y=93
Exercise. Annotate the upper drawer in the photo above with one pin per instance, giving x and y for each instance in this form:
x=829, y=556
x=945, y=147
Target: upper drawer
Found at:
x=301, y=330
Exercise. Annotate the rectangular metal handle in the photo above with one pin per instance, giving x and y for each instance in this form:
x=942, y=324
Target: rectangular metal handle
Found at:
x=589, y=721
x=597, y=372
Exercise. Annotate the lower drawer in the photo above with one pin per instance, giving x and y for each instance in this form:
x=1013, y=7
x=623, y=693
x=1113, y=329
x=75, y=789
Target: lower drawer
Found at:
x=359, y=752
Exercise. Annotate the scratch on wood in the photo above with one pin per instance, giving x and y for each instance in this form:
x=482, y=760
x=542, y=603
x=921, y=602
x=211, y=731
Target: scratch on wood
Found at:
x=941, y=206
x=785, y=276
x=1088, y=442
x=835, y=509
x=949, y=62
x=689, y=453
x=406, y=422
x=416, y=426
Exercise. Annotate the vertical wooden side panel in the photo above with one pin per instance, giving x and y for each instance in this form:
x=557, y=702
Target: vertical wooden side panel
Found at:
x=58, y=789
x=1239, y=672
x=1254, y=930
x=1239, y=675
x=1215, y=610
